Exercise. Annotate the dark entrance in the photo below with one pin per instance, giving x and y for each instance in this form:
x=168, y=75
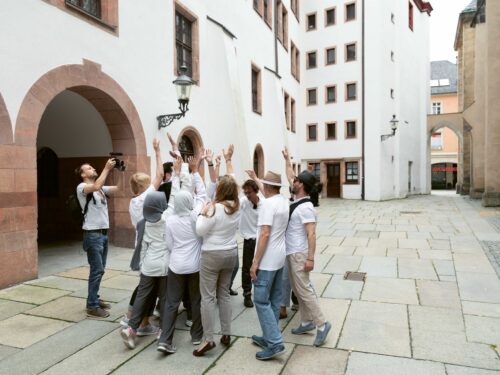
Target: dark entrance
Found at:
x=444, y=176
x=333, y=180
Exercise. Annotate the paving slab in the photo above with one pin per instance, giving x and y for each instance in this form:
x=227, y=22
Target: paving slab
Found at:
x=7, y=351
x=82, y=273
x=340, y=264
x=391, y=290
x=413, y=244
x=481, y=309
x=379, y=266
x=448, y=278
x=11, y=308
x=416, y=269
x=57, y=282
x=459, y=370
x=107, y=294
x=373, y=364
x=344, y=233
x=318, y=361
x=70, y=309
x=31, y=294
x=21, y=331
x=376, y=328
x=343, y=289
x=150, y=361
x=46, y=353
x=240, y=358
x=440, y=244
x=327, y=240
x=370, y=251
x=319, y=282
x=333, y=310
x=367, y=234
x=438, y=294
x=365, y=227
x=125, y=282
x=320, y=261
x=482, y=329
x=402, y=253
x=406, y=227
x=354, y=241
x=438, y=334
x=383, y=242
x=479, y=287
x=247, y=323
x=444, y=267
x=435, y=254
x=473, y=263
x=341, y=250
x=104, y=355
x=419, y=236
x=392, y=235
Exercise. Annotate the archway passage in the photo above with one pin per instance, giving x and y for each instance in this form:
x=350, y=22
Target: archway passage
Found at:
x=125, y=130
x=258, y=161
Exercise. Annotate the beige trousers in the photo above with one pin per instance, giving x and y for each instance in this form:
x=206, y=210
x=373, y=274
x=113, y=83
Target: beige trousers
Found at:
x=301, y=285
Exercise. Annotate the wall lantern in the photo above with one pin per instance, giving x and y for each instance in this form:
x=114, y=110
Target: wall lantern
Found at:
x=183, y=85
x=394, y=125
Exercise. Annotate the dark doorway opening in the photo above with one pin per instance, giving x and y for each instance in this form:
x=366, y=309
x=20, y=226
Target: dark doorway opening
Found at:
x=333, y=180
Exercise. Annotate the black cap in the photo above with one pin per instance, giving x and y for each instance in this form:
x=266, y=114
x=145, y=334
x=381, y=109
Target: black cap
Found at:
x=308, y=179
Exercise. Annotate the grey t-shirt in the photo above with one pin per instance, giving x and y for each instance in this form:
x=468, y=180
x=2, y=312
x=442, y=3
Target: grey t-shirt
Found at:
x=97, y=214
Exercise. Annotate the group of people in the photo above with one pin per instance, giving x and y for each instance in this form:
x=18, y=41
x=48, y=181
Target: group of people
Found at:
x=186, y=249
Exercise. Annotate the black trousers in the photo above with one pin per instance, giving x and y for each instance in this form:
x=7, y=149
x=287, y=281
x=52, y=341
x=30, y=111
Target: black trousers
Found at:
x=248, y=253
x=147, y=291
x=176, y=286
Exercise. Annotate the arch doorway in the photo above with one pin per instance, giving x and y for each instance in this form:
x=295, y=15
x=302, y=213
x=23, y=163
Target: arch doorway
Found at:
x=190, y=144
x=258, y=161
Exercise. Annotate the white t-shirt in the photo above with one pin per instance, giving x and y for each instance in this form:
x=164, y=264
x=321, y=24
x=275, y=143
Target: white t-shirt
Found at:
x=218, y=231
x=274, y=212
x=183, y=243
x=137, y=204
x=249, y=217
x=296, y=236
x=97, y=214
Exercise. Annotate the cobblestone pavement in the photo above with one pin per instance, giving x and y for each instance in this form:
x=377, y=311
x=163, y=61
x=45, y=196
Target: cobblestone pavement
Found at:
x=430, y=303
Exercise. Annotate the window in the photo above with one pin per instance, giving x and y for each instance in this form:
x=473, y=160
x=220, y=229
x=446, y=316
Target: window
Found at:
x=350, y=52
x=315, y=169
x=311, y=22
x=186, y=42
x=350, y=91
x=392, y=55
x=292, y=114
x=392, y=93
x=330, y=56
x=437, y=141
x=256, y=90
x=256, y=6
x=295, y=61
x=331, y=94
x=436, y=108
x=91, y=7
x=330, y=17
x=350, y=12
x=351, y=172
x=295, y=8
x=312, y=98
x=266, y=10
x=393, y=19
x=331, y=130
x=284, y=26
x=311, y=60
x=312, y=134
x=410, y=15
x=350, y=129
x=287, y=114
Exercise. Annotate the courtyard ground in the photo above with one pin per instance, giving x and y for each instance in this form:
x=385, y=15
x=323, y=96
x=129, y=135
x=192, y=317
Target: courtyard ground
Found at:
x=430, y=303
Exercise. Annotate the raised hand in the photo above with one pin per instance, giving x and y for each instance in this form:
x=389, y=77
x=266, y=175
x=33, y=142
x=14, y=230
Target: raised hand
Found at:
x=193, y=162
x=177, y=165
x=218, y=160
x=229, y=153
x=285, y=153
x=209, y=156
x=156, y=145
x=251, y=173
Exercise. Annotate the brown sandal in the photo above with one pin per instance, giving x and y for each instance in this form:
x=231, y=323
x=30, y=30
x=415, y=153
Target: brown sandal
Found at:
x=201, y=352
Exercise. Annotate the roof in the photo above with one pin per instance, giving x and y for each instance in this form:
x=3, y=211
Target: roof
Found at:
x=471, y=7
x=444, y=70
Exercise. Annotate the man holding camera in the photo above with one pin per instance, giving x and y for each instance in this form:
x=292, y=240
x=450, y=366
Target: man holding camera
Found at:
x=92, y=195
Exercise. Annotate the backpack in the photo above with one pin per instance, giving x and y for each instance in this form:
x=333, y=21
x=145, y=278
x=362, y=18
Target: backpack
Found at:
x=294, y=205
x=75, y=210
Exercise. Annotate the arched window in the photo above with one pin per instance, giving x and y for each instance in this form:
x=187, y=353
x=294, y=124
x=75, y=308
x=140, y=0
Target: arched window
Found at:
x=258, y=161
x=186, y=147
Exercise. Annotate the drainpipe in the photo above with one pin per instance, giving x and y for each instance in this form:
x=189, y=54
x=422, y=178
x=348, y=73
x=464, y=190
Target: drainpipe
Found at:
x=363, y=99
x=276, y=37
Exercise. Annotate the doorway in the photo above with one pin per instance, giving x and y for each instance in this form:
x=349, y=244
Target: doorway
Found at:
x=333, y=180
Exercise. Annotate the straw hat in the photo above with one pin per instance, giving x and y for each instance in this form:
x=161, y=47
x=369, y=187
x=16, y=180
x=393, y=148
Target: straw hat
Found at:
x=272, y=179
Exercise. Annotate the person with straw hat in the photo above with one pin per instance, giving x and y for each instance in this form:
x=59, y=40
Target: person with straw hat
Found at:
x=267, y=266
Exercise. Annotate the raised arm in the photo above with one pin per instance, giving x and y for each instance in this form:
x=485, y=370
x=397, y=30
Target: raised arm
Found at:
x=290, y=175
x=99, y=182
x=159, y=165
x=209, y=158
x=174, y=152
x=175, y=187
x=253, y=176
x=203, y=222
x=228, y=157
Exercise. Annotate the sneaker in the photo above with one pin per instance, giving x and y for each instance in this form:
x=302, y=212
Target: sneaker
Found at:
x=189, y=323
x=295, y=307
x=196, y=341
x=248, y=302
x=97, y=313
x=259, y=341
x=301, y=329
x=269, y=353
x=321, y=335
x=166, y=348
x=147, y=330
x=104, y=305
x=124, y=321
x=128, y=337
x=233, y=292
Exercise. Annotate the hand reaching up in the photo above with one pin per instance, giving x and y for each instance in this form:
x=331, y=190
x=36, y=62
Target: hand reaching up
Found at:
x=229, y=153
x=285, y=153
x=177, y=165
x=251, y=173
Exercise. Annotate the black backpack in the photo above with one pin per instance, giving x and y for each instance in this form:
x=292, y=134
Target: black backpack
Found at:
x=74, y=208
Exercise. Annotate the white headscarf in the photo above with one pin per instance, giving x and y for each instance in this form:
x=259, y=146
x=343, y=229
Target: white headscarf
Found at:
x=183, y=203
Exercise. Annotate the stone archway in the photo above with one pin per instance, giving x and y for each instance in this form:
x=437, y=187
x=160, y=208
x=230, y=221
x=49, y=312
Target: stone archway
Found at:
x=258, y=160
x=125, y=128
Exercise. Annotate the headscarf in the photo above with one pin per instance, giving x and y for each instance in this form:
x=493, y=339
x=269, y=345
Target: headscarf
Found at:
x=154, y=205
x=183, y=203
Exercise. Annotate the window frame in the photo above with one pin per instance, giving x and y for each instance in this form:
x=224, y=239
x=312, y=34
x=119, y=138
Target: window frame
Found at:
x=334, y=16
x=355, y=11
x=326, y=94
x=195, y=47
x=346, y=133
x=346, y=98
x=346, y=169
x=308, y=66
x=355, y=52
x=315, y=14
x=326, y=55
x=256, y=69
x=334, y=123
x=293, y=119
x=309, y=126
x=286, y=99
x=308, y=103
x=410, y=15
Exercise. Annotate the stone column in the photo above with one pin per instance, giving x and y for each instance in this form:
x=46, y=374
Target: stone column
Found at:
x=491, y=196
x=467, y=159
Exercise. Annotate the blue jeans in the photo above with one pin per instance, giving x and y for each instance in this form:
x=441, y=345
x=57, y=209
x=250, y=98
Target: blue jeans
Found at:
x=286, y=287
x=267, y=299
x=95, y=244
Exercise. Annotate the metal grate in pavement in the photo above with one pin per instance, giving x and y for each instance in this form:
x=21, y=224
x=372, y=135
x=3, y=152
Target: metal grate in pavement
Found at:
x=355, y=276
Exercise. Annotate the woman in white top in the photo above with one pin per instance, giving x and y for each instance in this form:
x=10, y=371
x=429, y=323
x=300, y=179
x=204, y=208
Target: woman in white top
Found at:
x=217, y=224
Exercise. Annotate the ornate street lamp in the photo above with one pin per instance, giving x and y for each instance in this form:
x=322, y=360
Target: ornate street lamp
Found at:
x=183, y=85
x=394, y=125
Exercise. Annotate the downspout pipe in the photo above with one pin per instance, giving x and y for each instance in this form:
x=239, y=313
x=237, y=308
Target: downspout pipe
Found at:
x=363, y=99
x=276, y=67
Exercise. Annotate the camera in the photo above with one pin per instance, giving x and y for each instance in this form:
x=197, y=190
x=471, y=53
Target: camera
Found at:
x=120, y=164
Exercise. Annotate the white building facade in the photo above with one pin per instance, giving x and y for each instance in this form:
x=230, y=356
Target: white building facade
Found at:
x=82, y=78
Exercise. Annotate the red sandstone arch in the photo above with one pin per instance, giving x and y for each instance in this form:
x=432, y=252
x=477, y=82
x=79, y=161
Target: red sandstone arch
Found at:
x=258, y=160
x=18, y=247
x=5, y=124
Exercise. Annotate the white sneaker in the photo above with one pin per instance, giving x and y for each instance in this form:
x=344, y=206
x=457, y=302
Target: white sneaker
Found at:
x=124, y=321
x=128, y=337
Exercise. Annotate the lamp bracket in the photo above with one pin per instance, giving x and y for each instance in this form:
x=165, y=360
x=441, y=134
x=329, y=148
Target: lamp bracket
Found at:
x=166, y=120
